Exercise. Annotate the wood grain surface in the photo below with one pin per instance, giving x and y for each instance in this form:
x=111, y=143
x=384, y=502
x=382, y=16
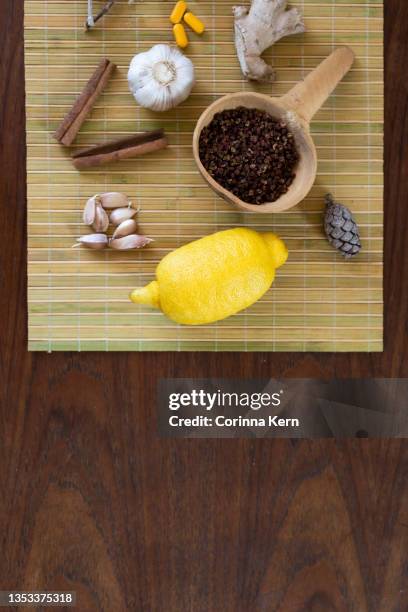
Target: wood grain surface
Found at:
x=91, y=499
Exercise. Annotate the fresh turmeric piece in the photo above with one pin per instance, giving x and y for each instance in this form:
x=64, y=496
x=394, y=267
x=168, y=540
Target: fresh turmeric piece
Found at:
x=194, y=22
x=178, y=12
x=180, y=35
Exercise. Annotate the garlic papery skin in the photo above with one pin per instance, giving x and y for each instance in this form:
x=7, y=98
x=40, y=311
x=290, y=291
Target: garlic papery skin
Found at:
x=94, y=241
x=101, y=220
x=90, y=210
x=113, y=199
x=124, y=229
x=161, y=78
x=119, y=215
x=133, y=241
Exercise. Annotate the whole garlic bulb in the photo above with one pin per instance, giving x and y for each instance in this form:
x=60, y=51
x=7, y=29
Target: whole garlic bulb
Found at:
x=161, y=78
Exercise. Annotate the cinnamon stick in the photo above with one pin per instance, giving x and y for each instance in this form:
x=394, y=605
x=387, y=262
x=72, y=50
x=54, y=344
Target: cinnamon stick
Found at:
x=125, y=148
x=73, y=121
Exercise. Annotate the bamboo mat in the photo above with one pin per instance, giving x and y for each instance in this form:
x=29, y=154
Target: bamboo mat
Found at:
x=77, y=299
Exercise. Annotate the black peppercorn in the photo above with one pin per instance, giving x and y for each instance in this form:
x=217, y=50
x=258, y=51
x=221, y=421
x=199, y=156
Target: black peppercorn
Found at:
x=250, y=153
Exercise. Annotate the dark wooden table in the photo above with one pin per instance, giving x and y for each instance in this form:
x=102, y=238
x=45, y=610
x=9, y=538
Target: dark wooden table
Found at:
x=91, y=499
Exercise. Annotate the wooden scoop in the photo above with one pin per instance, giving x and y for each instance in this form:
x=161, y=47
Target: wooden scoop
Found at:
x=296, y=108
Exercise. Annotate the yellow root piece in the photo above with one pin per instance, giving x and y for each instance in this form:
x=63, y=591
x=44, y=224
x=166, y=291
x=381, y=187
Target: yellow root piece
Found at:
x=180, y=35
x=194, y=22
x=178, y=12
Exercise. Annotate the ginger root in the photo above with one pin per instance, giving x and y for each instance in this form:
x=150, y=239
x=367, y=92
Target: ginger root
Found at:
x=258, y=28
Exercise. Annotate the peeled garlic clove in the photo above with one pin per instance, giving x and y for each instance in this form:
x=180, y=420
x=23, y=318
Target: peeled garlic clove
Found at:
x=101, y=221
x=94, y=241
x=125, y=228
x=113, y=199
x=119, y=215
x=89, y=210
x=133, y=241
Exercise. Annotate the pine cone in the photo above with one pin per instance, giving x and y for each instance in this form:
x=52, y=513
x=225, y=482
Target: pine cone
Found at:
x=341, y=229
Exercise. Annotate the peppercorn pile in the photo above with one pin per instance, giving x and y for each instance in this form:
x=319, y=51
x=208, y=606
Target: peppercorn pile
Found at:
x=249, y=153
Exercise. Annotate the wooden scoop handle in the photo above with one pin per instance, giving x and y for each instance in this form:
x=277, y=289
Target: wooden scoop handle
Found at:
x=308, y=96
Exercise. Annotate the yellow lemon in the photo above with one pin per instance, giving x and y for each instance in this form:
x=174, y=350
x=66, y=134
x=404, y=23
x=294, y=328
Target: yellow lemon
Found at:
x=215, y=277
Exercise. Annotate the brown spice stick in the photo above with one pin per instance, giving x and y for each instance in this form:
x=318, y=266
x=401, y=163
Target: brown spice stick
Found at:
x=92, y=161
x=73, y=121
x=126, y=148
x=101, y=13
x=121, y=143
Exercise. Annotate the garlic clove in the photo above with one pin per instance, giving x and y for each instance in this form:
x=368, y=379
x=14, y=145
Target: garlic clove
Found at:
x=125, y=228
x=89, y=210
x=133, y=241
x=101, y=221
x=114, y=199
x=119, y=215
x=94, y=241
